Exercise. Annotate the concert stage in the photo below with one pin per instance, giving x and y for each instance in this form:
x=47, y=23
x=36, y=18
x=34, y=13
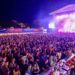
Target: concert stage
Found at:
x=64, y=19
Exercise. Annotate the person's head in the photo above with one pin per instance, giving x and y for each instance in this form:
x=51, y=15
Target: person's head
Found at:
x=13, y=60
x=5, y=58
x=29, y=66
x=17, y=68
x=5, y=64
x=35, y=64
x=46, y=61
x=69, y=52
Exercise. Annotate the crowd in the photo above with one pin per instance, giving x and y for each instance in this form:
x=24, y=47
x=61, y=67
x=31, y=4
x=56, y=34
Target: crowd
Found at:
x=35, y=54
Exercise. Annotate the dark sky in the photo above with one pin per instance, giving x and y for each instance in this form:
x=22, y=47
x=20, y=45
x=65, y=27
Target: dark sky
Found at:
x=29, y=10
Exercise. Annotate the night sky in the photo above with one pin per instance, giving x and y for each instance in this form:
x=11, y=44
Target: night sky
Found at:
x=29, y=10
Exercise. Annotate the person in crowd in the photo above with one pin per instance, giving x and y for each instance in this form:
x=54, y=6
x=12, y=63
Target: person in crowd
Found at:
x=12, y=65
x=5, y=68
x=16, y=70
x=29, y=70
x=72, y=72
x=56, y=71
x=35, y=69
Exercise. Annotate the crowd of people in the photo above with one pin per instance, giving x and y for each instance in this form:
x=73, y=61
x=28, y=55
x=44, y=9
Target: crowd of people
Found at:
x=35, y=54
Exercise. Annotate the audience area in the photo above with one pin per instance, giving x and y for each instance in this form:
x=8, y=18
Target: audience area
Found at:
x=37, y=54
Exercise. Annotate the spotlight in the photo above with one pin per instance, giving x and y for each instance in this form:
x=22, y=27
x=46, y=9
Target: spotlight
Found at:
x=51, y=25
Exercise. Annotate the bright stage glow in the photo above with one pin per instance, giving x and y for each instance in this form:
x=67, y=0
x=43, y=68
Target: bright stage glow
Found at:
x=60, y=17
x=52, y=25
x=68, y=24
x=63, y=23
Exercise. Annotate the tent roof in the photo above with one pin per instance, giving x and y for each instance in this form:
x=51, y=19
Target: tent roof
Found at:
x=67, y=8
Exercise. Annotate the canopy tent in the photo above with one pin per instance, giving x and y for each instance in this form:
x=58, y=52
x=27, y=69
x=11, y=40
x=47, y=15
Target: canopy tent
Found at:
x=65, y=9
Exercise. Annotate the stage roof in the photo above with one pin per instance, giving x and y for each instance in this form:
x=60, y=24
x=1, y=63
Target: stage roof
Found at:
x=65, y=9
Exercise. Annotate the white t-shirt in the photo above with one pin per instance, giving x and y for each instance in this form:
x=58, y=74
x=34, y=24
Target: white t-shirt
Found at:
x=24, y=58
